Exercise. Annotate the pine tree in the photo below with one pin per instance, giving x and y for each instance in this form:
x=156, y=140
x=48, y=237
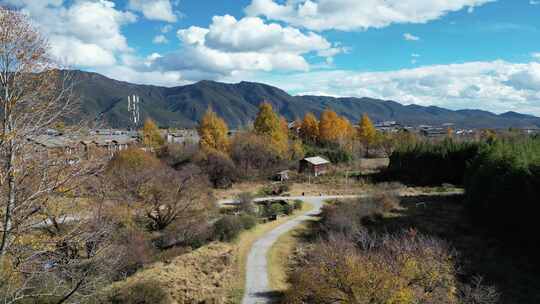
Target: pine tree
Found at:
x=366, y=132
x=309, y=129
x=151, y=136
x=213, y=132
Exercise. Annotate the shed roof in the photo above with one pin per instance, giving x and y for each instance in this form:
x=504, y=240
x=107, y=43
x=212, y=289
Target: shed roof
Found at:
x=317, y=160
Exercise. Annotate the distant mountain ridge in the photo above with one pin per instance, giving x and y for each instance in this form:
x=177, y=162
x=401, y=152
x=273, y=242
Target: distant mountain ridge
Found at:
x=183, y=106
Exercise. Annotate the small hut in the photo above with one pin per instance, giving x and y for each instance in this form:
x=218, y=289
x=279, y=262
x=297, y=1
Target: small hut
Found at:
x=313, y=166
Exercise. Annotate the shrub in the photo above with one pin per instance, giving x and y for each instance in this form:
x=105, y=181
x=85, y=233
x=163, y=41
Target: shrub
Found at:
x=332, y=152
x=502, y=189
x=220, y=169
x=245, y=202
x=227, y=228
x=288, y=209
x=136, y=250
x=428, y=163
x=298, y=204
x=275, y=210
x=248, y=221
x=402, y=268
x=146, y=292
x=347, y=217
x=274, y=189
x=253, y=156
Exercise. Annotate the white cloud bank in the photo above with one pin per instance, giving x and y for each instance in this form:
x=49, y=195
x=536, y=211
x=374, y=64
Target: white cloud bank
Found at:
x=85, y=34
x=230, y=46
x=349, y=15
x=497, y=86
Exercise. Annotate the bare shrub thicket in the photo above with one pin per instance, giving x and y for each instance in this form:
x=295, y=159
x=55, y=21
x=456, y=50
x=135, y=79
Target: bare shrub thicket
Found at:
x=219, y=167
x=350, y=264
x=253, y=156
x=347, y=217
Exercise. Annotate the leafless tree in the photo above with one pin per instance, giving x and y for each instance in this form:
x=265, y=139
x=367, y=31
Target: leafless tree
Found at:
x=38, y=186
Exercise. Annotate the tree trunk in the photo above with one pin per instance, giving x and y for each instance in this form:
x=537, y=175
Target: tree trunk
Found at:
x=10, y=168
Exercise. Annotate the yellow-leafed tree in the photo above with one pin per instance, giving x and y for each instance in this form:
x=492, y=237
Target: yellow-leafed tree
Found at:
x=309, y=129
x=151, y=136
x=366, y=133
x=344, y=132
x=270, y=125
x=329, y=126
x=213, y=132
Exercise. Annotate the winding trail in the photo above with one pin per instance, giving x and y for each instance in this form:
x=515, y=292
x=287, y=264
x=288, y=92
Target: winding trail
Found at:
x=257, y=289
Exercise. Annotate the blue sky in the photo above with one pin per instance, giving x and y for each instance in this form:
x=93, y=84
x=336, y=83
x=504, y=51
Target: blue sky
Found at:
x=452, y=53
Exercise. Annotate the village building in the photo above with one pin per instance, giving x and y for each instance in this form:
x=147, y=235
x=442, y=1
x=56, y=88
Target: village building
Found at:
x=183, y=137
x=314, y=166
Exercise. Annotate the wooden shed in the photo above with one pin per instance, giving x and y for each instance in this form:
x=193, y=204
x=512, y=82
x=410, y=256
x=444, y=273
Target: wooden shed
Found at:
x=313, y=166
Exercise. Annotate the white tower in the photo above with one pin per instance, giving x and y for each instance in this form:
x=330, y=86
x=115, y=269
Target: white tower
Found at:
x=134, y=110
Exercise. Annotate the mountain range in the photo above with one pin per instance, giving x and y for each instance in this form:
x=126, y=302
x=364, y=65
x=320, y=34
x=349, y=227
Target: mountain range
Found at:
x=105, y=100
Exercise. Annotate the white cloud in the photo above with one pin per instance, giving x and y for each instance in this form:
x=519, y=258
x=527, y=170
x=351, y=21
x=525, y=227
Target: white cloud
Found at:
x=86, y=33
x=160, y=39
x=410, y=37
x=166, y=28
x=415, y=55
x=536, y=55
x=349, y=15
x=497, y=86
x=230, y=46
x=161, y=10
x=534, y=2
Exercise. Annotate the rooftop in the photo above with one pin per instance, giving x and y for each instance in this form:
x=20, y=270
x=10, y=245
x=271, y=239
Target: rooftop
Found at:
x=316, y=160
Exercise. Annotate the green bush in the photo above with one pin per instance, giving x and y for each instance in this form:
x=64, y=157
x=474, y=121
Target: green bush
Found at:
x=427, y=163
x=298, y=204
x=147, y=292
x=503, y=189
x=274, y=210
x=248, y=221
x=229, y=227
x=288, y=209
x=274, y=189
x=332, y=152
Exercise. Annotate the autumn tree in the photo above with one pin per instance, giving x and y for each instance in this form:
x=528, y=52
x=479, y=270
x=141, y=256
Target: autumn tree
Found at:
x=309, y=129
x=328, y=126
x=344, y=132
x=213, y=132
x=268, y=124
x=37, y=187
x=450, y=132
x=151, y=135
x=367, y=134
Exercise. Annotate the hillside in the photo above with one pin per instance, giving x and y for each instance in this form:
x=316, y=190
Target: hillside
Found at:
x=183, y=106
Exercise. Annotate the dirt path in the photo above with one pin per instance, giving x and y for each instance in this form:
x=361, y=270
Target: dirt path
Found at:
x=257, y=289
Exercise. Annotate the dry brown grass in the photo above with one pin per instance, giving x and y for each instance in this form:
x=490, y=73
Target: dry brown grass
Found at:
x=202, y=276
